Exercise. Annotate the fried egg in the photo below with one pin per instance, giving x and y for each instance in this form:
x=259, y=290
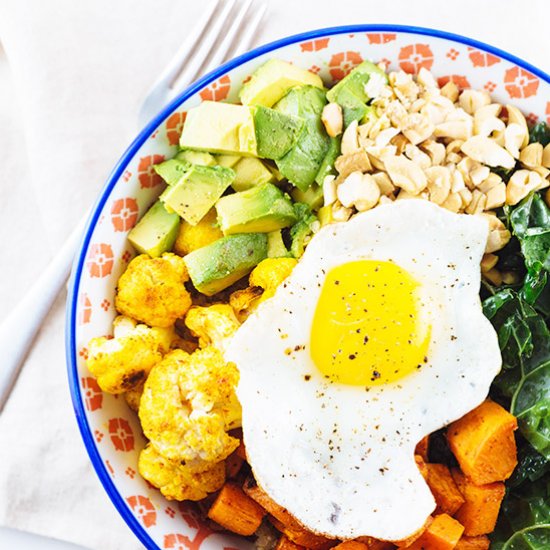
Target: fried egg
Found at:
x=375, y=340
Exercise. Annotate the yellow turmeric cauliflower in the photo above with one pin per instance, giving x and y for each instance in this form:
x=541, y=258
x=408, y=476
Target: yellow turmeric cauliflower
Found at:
x=124, y=361
x=151, y=290
x=192, y=237
x=212, y=324
x=244, y=301
x=270, y=273
x=177, y=481
x=188, y=404
x=133, y=397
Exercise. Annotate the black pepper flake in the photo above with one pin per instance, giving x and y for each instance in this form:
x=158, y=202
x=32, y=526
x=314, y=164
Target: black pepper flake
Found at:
x=351, y=356
x=307, y=377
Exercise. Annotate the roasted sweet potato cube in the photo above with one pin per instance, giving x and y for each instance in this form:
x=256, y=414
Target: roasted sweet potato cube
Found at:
x=284, y=521
x=375, y=544
x=443, y=487
x=241, y=450
x=421, y=466
x=236, y=511
x=443, y=533
x=483, y=443
x=286, y=544
x=406, y=543
x=422, y=448
x=233, y=465
x=473, y=543
x=479, y=512
x=352, y=545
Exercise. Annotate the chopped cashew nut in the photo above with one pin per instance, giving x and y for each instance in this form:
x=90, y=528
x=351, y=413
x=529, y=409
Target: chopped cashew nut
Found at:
x=384, y=183
x=472, y=100
x=488, y=262
x=435, y=150
x=486, y=151
x=352, y=162
x=450, y=91
x=516, y=117
x=499, y=236
x=417, y=128
x=513, y=138
x=521, y=184
x=341, y=213
x=350, y=140
x=332, y=119
x=329, y=190
x=477, y=203
x=531, y=156
x=406, y=174
x=358, y=190
x=496, y=196
x=453, y=202
x=439, y=183
x=546, y=156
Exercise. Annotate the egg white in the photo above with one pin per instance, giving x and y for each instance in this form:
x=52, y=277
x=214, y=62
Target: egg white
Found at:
x=341, y=458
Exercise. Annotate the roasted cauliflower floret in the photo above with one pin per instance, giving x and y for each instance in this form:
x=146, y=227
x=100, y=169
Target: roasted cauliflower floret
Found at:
x=192, y=237
x=212, y=324
x=244, y=301
x=189, y=404
x=270, y=273
x=176, y=480
x=124, y=361
x=133, y=396
x=151, y=290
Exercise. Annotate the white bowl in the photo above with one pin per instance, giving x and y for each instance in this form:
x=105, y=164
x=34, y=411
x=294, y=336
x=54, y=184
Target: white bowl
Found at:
x=110, y=430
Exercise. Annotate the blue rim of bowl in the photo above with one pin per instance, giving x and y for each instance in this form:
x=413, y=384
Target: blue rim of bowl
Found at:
x=80, y=259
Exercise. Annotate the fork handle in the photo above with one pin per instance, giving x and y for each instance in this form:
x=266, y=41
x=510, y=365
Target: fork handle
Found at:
x=19, y=329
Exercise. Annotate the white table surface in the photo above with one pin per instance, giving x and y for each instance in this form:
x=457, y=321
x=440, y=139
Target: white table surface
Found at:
x=509, y=24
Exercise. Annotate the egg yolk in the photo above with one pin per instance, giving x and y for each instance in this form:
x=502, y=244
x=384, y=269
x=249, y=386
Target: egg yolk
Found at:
x=369, y=327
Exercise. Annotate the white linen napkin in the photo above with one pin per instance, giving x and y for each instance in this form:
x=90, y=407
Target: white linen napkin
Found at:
x=80, y=71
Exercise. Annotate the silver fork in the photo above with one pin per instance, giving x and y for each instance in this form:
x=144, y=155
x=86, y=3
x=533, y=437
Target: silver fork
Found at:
x=214, y=39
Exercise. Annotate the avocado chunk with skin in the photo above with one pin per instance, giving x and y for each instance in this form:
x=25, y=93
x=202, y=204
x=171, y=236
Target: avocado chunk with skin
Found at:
x=171, y=171
x=302, y=229
x=225, y=261
x=327, y=166
x=276, y=132
x=272, y=80
x=197, y=191
x=261, y=209
x=355, y=81
x=350, y=92
x=249, y=172
x=156, y=232
x=301, y=164
x=218, y=127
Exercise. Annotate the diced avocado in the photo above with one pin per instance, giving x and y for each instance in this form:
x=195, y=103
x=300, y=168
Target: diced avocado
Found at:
x=350, y=92
x=302, y=229
x=249, y=172
x=272, y=80
x=219, y=128
x=353, y=108
x=327, y=166
x=222, y=263
x=228, y=161
x=301, y=164
x=197, y=191
x=355, y=82
x=172, y=171
x=261, y=209
x=276, y=132
x=156, y=232
x=313, y=196
x=275, y=245
x=196, y=157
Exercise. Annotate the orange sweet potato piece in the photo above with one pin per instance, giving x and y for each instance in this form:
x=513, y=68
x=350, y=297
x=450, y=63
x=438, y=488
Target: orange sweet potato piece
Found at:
x=443, y=487
x=422, y=448
x=284, y=521
x=479, y=512
x=352, y=545
x=241, y=450
x=233, y=465
x=375, y=544
x=405, y=543
x=473, y=543
x=421, y=466
x=443, y=533
x=301, y=536
x=286, y=544
x=236, y=511
x=483, y=443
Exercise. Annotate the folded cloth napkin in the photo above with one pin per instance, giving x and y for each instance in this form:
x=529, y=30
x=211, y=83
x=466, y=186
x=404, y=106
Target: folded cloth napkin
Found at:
x=80, y=71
